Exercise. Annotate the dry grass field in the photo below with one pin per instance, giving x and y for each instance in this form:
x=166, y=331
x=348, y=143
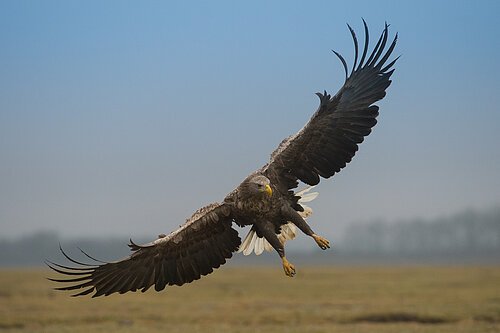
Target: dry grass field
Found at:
x=262, y=299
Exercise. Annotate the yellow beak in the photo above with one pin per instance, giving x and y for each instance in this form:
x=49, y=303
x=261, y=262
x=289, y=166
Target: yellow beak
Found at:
x=269, y=190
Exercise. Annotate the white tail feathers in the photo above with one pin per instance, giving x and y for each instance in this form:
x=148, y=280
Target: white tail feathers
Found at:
x=253, y=243
x=248, y=244
x=305, y=196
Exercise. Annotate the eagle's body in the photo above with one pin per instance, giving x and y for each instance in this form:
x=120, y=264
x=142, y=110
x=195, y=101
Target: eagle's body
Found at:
x=266, y=199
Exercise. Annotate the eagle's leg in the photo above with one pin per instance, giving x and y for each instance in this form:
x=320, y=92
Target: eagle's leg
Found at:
x=294, y=217
x=267, y=229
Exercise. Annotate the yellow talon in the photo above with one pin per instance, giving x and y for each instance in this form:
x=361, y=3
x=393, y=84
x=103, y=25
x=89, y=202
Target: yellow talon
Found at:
x=288, y=268
x=323, y=243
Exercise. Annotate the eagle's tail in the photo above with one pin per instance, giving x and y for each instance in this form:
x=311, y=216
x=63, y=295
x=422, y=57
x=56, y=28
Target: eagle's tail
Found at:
x=253, y=243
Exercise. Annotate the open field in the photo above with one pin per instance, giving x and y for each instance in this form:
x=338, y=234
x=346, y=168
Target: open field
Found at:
x=262, y=299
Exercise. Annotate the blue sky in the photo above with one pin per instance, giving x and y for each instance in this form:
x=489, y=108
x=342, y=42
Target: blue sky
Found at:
x=125, y=117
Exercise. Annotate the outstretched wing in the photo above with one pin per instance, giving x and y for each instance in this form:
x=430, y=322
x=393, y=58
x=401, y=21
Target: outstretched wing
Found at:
x=203, y=243
x=331, y=137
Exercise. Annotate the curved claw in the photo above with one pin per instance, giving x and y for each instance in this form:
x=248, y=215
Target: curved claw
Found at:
x=288, y=268
x=323, y=243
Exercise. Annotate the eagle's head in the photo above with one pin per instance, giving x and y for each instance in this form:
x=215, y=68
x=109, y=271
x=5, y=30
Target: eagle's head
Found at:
x=257, y=186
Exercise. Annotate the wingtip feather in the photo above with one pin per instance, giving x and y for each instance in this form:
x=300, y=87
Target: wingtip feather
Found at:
x=344, y=63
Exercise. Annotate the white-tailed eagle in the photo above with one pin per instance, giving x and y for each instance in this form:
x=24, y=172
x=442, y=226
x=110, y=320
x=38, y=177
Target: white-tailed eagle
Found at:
x=266, y=199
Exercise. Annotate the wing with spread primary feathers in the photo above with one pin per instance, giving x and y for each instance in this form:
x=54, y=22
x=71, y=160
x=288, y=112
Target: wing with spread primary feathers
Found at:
x=331, y=138
x=203, y=243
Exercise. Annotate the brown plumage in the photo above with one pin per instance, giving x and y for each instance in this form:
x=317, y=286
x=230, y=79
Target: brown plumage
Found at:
x=265, y=199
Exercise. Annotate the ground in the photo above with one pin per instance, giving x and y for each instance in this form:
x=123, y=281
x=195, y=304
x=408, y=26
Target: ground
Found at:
x=263, y=299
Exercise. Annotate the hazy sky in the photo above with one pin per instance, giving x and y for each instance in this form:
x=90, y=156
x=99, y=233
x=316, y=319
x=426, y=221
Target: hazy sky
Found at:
x=125, y=117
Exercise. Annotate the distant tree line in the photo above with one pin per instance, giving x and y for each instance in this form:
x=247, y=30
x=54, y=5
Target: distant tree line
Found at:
x=470, y=234
x=34, y=249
